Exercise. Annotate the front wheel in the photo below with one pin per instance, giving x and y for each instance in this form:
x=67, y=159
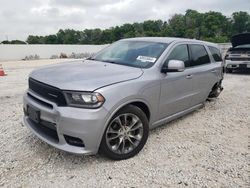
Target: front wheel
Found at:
x=126, y=134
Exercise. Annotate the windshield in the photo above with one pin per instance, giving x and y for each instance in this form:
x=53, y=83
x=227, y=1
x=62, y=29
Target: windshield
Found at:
x=243, y=46
x=132, y=53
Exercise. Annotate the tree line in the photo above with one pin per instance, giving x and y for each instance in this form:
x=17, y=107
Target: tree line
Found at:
x=209, y=26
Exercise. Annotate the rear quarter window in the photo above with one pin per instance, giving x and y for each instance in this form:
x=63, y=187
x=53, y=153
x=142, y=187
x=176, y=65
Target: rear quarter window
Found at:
x=215, y=53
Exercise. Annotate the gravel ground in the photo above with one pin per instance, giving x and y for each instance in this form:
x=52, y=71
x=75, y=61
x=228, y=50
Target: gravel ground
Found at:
x=207, y=148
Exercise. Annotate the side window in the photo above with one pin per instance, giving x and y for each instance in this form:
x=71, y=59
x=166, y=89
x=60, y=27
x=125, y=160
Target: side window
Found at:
x=215, y=53
x=180, y=53
x=199, y=55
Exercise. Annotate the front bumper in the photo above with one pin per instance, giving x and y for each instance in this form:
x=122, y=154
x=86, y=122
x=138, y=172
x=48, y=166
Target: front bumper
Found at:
x=59, y=123
x=237, y=64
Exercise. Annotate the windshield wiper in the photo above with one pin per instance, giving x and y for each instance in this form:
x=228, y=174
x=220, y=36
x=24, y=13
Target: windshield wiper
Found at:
x=108, y=61
x=90, y=58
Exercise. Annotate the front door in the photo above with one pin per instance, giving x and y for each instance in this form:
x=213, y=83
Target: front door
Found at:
x=176, y=87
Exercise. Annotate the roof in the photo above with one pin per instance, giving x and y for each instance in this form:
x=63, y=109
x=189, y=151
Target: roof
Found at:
x=168, y=40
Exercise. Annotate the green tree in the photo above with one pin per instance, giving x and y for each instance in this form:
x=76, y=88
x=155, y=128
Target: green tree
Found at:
x=35, y=39
x=211, y=26
x=177, y=26
x=60, y=36
x=193, y=24
x=127, y=30
x=13, y=42
x=152, y=28
x=50, y=39
x=71, y=36
x=240, y=22
x=139, y=31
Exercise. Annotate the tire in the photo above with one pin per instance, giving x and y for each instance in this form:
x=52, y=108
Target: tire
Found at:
x=216, y=90
x=126, y=134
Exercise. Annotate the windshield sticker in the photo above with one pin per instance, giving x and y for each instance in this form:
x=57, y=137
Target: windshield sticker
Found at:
x=146, y=59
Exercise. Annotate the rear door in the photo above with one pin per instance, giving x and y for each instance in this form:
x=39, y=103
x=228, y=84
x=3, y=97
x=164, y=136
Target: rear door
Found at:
x=205, y=74
x=219, y=64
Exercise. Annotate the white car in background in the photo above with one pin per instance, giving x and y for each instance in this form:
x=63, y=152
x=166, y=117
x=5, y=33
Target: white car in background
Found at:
x=238, y=56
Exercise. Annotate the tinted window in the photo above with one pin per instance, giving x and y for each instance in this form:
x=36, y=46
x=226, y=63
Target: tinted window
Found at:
x=215, y=53
x=180, y=53
x=199, y=55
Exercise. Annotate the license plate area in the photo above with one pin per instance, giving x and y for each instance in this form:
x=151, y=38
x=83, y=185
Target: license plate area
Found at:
x=33, y=114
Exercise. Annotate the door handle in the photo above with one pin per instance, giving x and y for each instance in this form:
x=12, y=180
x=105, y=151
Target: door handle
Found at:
x=189, y=76
x=213, y=71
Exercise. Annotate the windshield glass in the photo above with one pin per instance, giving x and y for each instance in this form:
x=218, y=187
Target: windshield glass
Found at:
x=243, y=46
x=132, y=53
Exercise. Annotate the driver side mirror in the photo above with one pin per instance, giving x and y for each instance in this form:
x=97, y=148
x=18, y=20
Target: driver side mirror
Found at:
x=173, y=66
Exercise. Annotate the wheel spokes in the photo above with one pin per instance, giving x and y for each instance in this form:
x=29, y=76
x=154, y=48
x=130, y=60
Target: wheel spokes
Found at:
x=125, y=119
x=124, y=133
x=136, y=137
x=129, y=139
x=136, y=126
x=134, y=121
x=112, y=131
x=118, y=121
x=116, y=146
x=123, y=146
x=113, y=137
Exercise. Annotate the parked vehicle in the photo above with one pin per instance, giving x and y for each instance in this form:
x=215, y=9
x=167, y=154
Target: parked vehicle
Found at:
x=238, y=56
x=109, y=102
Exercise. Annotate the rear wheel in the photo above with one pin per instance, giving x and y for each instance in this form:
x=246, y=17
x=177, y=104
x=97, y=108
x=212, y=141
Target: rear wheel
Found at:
x=126, y=134
x=216, y=90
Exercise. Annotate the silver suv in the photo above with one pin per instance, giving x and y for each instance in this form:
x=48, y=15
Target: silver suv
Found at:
x=109, y=102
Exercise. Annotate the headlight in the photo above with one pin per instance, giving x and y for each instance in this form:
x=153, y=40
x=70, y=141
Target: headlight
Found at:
x=84, y=99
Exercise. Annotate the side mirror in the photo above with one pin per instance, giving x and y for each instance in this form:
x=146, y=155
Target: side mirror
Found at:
x=174, y=66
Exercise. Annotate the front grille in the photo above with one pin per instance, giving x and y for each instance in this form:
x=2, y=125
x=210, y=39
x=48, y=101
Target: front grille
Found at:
x=240, y=52
x=240, y=59
x=48, y=92
x=45, y=130
x=40, y=101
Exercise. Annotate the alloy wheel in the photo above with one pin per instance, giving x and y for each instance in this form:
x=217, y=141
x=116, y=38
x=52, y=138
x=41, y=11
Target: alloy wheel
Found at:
x=124, y=133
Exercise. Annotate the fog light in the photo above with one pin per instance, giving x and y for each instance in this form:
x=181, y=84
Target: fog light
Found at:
x=74, y=141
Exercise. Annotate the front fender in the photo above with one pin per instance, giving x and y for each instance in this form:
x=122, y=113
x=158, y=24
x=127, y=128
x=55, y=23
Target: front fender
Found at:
x=122, y=94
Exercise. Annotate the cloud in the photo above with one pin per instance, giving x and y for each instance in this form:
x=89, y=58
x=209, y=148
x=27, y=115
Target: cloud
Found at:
x=80, y=3
x=20, y=18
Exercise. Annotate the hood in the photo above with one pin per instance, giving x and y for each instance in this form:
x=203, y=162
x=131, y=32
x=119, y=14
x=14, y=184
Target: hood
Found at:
x=85, y=75
x=240, y=39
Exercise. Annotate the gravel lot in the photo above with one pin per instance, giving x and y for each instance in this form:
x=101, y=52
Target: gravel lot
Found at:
x=208, y=148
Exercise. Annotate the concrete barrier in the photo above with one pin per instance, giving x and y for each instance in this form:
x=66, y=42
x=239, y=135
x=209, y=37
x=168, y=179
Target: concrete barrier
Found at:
x=18, y=52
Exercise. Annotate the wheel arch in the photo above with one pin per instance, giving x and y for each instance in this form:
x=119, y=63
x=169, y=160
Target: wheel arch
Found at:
x=138, y=103
x=143, y=105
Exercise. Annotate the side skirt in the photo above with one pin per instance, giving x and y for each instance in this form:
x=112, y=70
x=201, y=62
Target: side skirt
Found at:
x=175, y=116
